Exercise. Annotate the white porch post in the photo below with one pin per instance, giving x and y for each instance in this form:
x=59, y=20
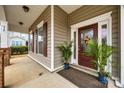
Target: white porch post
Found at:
x=122, y=46
x=4, y=34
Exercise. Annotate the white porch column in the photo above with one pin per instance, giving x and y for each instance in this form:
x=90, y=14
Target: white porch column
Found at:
x=3, y=35
x=122, y=45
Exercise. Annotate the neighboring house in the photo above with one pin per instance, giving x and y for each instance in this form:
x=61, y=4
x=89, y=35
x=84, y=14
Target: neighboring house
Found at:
x=18, y=39
x=54, y=26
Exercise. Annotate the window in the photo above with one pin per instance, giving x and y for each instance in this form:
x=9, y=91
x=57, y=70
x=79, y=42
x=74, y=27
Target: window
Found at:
x=104, y=34
x=20, y=43
x=74, y=45
x=17, y=43
x=38, y=40
x=13, y=43
x=42, y=40
x=30, y=42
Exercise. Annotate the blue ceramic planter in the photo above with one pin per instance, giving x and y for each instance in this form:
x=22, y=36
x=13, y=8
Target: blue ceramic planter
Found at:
x=102, y=79
x=66, y=66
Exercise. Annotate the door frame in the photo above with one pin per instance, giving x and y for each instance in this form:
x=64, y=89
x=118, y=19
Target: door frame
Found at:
x=122, y=45
x=98, y=19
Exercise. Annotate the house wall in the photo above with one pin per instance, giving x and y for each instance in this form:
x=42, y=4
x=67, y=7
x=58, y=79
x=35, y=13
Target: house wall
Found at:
x=60, y=32
x=89, y=11
x=2, y=14
x=46, y=17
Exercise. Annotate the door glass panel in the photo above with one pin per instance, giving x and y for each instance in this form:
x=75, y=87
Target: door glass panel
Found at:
x=86, y=36
x=104, y=34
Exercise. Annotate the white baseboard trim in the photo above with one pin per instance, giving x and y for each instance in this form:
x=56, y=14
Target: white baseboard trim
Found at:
x=118, y=84
x=49, y=69
x=40, y=63
x=58, y=67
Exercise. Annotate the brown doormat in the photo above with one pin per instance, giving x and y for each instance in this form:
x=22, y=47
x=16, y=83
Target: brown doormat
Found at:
x=81, y=79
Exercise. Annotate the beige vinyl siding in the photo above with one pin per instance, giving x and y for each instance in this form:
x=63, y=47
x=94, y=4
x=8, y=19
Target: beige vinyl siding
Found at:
x=89, y=11
x=60, y=32
x=46, y=17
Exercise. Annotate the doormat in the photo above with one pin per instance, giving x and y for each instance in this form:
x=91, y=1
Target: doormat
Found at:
x=81, y=79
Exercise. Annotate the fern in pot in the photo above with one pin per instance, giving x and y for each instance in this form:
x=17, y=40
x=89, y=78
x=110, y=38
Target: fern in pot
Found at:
x=66, y=52
x=100, y=54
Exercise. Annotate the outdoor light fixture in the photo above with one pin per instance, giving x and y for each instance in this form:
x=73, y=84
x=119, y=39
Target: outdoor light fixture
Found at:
x=21, y=23
x=25, y=8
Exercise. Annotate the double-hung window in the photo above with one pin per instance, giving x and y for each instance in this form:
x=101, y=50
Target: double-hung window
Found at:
x=42, y=40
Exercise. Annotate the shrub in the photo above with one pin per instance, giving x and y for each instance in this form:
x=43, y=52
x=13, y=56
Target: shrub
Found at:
x=19, y=50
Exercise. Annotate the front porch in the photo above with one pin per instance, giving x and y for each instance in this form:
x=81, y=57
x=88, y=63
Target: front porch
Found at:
x=26, y=73
x=53, y=25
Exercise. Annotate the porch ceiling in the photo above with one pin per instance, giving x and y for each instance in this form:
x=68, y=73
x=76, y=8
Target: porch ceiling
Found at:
x=15, y=14
x=69, y=8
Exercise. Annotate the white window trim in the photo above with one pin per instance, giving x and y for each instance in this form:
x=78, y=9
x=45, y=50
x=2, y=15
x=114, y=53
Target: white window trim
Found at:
x=40, y=24
x=98, y=19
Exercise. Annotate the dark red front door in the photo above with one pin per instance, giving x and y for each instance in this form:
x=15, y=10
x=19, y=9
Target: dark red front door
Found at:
x=85, y=34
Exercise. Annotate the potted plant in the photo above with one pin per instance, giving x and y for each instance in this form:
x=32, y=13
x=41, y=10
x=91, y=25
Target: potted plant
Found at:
x=66, y=53
x=100, y=54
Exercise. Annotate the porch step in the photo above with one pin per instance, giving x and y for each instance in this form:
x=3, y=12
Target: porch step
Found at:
x=85, y=69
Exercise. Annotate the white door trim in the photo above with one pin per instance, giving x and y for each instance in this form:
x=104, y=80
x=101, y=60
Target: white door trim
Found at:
x=122, y=45
x=93, y=20
x=74, y=61
x=98, y=19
